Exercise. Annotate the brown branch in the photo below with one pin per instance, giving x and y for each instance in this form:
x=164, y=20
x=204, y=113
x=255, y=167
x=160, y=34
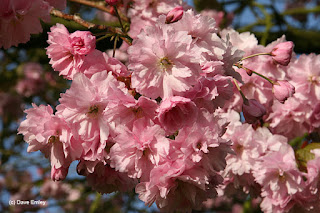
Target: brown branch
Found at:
x=99, y=5
x=89, y=25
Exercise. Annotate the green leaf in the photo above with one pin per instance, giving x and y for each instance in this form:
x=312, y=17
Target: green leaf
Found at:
x=304, y=155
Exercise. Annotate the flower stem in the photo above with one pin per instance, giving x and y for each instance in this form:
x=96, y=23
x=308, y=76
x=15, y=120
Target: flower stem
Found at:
x=119, y=18
x=245, y=100
x=254, y=55
x=262, y=76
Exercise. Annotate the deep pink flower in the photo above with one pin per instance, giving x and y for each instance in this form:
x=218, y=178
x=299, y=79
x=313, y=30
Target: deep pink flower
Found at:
x=67, y=51
x=174, y=15
x=176, y=112
x=253, y=110
x=19, y=19
x=282, y=52
x=283, y=90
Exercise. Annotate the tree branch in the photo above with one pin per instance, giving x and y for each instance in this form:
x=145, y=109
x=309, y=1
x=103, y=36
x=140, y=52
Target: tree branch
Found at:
x=100, y=6
x=89, y=25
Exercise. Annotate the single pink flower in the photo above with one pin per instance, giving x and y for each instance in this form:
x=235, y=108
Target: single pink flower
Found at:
x=282, y=90
x=176, y=112
x=174, y=15
x=282, y=52
x=67, y=51
x=253, y=110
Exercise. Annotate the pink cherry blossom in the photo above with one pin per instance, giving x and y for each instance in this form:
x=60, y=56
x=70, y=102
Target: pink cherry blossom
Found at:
x=176, y=112
x=138, y=151
x=85, y=113
x=67, y=51
x=279, y=177
x=283, y=90
x=19, y=19
x=164, y=62
x=304, y=73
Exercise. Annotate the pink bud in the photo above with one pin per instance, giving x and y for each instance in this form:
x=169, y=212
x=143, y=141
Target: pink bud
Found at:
x=253, y=110
x=58, y=174
x=282, y=90
x=282, y=52
x=174, y=15
x=112, y=2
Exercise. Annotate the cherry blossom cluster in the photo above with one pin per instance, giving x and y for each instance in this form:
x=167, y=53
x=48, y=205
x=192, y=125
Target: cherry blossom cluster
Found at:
x=19, y=19
x=168, y=122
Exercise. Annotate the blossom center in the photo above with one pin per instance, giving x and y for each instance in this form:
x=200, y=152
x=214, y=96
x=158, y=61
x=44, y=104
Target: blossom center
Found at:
x=77, y=43
x=165, y=63
x=138, y=112
x=93, y=111
x=314, y=79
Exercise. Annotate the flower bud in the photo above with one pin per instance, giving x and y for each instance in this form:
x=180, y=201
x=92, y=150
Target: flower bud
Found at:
x=282, y=90
x=58, y=174
x=253, y=110
x=174, y=15
x=282, y=52
x=112, y=2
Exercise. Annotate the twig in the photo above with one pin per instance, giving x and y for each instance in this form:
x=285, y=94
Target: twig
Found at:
x=99, y=5
x=90, y=25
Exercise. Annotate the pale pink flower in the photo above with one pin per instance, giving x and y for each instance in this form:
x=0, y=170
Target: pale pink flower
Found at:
x=279, y=177
x=199, y=27
x=176, y=112
x=98, y=61
x=289, y=119
x=174, y=15
x=51, y=135
x=130, y=110
x=170, y=181
x=163, y=62
x=211, y=92
x=283, y=90
x=67, y=51
x=305, y=77
x=218, y=17
x=282, y=52
x=84, y=113
x=19, y=19
x=138, y=150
